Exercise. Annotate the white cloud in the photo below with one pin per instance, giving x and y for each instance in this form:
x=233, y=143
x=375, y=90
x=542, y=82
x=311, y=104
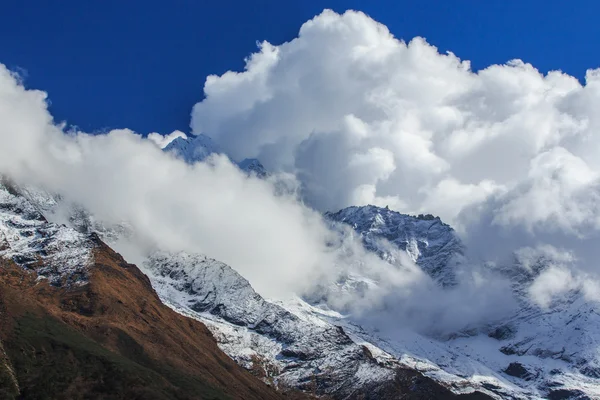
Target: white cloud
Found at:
x=211, y=207
x=455, y=138
x=552, y=282
x=163, y=140
x=561, y=192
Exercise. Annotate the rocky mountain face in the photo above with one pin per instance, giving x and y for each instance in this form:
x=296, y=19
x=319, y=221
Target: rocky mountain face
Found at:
x=253, y=166
x=77, y=321
x=286, y=344
x=536, y=353
x=429, y=242
x=193, y=149
x=546, y=352
x=56, y=253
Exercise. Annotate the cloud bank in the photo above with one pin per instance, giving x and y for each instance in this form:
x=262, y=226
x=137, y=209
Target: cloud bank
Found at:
x=362, y=117
x=211, y=208
x=508, y=155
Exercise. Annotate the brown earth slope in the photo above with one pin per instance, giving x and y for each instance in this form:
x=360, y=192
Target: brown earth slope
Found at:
x=109, y=339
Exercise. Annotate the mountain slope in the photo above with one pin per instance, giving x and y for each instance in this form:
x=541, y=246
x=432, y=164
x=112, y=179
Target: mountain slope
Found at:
x=193, y=149
x=281, y=343
x=432, y=244
x=542, y=351
x=68, y=300
x=535, y=354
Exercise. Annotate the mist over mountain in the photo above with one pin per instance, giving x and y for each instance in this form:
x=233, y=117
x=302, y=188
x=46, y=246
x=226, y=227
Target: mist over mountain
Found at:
x=351, y=216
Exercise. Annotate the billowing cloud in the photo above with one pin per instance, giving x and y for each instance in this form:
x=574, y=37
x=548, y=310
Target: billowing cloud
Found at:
x=163, y=140
x=210, y=208
x=362, y=117
x=280, y=245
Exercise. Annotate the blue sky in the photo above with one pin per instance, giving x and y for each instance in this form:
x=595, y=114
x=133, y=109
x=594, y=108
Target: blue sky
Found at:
x=142, y=64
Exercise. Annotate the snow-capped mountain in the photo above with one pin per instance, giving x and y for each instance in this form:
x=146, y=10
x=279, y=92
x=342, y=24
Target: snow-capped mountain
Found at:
x=77, y=321
x=287, y=349
x=534, y=354
x=253, y=166
x=289, y=344
x=429, y=242
x=193, y=149
x=55, y=252
x=197, y=148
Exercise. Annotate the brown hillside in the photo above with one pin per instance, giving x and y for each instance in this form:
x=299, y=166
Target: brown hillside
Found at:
x=109, y=339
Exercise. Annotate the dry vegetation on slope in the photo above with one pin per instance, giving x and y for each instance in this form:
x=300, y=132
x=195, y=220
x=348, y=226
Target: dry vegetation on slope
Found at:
x=111, y=338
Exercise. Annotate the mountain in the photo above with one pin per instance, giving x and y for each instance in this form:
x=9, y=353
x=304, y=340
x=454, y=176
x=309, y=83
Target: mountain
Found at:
x=197, y=148
x=253, y=166
x=193, y=149
x=545, y=351
x=286, y=344
x=295, y=344
x=429, y=242
x=77, y=321
x=301, y=344
x=533, y=354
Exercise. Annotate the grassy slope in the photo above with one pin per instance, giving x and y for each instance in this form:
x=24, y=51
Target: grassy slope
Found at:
x=110, y=339
x=54, y=361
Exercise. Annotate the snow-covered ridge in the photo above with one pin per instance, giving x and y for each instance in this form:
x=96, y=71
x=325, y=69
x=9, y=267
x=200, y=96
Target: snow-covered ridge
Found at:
x=295, y=344
x=253, y=166
x=198, y=148
x=536, y=353
x=292, y=349
x=55, y=252
x=193, y=149
x=431, y=243
x=551, y=351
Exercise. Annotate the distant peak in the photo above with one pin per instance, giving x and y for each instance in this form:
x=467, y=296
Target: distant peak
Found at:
x=193, y=148
x=253, y=166
x=372, y=210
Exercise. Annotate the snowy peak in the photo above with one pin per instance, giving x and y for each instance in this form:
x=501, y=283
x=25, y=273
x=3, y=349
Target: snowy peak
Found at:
x=206, y=285
x=198, y=148
x=55, y=252
x=253, y=166
x=431, y=243
x=98, y=330
x=193, y=149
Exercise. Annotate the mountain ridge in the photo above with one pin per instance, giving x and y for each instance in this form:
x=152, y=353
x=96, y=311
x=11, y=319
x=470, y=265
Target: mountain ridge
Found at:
x=291, y=349
x=108, y=329
x=192, y=149
x=498, y=362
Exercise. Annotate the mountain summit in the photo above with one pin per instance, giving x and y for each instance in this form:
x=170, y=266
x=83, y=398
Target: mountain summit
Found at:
x=429, y=242
x=194, y=149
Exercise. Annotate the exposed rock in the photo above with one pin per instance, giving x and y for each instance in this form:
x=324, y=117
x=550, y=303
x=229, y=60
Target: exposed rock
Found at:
x=518, y=370
x=432, y=244
x=287, y=348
